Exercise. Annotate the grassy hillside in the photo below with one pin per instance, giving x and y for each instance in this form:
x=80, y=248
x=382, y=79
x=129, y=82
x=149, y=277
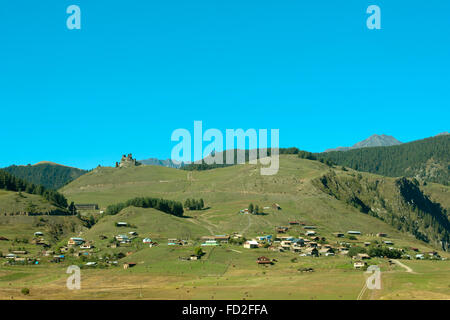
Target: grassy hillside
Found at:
x=19, y=230
x=18, y=203
x=228, y=271
x=228, y=190
x=49, y=175
x=426, y=159
x=401, y=204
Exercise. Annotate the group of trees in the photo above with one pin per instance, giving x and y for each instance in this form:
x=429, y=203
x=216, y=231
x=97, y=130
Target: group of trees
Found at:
x=51, y=176
x=12, y=183
x=255, y=209
x=376, y=251
x=409, y=159
x=193, y=204
x=168, y=206
x=292, y=150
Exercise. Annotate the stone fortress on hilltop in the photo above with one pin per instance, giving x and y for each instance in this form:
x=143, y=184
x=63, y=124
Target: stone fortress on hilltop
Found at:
x=127, y=161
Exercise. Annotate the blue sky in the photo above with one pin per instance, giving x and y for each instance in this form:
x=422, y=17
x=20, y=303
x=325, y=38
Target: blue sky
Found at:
x=138, y=70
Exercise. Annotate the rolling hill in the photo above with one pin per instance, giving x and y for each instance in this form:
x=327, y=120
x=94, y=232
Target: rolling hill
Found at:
x=427, y=160
x=296, y=188
x=48, y=174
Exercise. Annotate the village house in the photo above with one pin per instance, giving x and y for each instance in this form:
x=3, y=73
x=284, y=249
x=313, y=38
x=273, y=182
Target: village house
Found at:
x=121, y=224
x=275, y=248
x=388, y=242
x=293, y=223
x=311, y=244
x=122, y=238
x=267, y=238
x=381, y=234
x=310, y=233
x=298, y=242
x=309, y=227
x=362, y=256
x=87, y=245
x=221, y=238
x=57, y=258
x=38, y=234
x=263, y=260
x=366, y=244
x=146, y=240
x=281, y=229
x=324, y=251
x=127, y=265
x=276, y=206
x=352, y=232
x=359, y=264
x=209, y=243
x=338, y=235
x=281, y=237
x=75, y=241
x=286, y=244
x=251, y=244
x=312, y=252
x=19, y=251
x=175, y=242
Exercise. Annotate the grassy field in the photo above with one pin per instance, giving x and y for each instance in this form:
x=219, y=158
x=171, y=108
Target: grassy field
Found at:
x=224, y=272
x=228, y=273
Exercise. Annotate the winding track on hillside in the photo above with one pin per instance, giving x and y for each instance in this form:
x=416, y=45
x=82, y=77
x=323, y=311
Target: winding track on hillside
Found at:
x=408, y=269
x=248, y=226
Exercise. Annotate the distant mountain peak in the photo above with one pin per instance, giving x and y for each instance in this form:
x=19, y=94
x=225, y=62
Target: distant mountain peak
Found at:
x=375, y=140
x=163, y=163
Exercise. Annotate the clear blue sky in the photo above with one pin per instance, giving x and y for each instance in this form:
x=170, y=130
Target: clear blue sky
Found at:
x=137, y=70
